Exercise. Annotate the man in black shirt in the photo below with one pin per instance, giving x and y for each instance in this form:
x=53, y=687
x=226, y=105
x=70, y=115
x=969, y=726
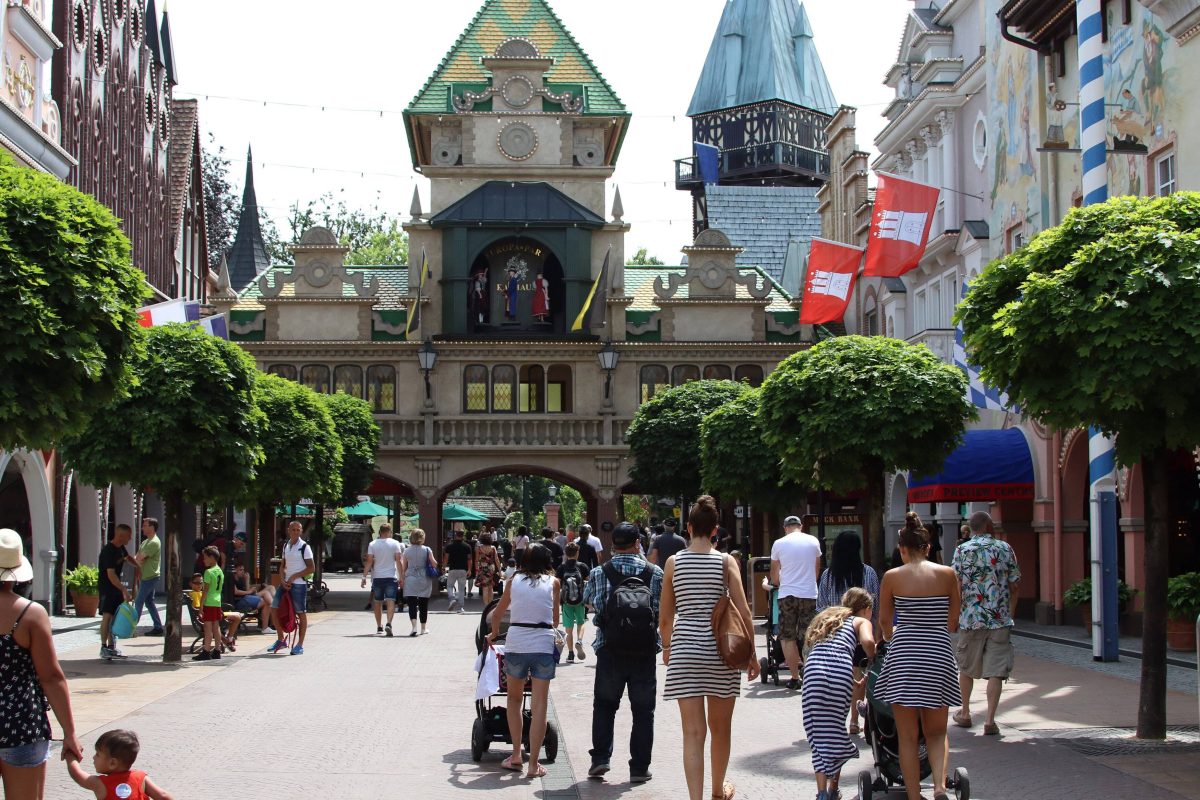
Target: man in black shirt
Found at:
x=458, y=566
x=556, y=551
x=666, y=545
x=112, y=591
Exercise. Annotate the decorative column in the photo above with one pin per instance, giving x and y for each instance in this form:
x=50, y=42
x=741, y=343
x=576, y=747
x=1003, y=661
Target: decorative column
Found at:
x=950, y=198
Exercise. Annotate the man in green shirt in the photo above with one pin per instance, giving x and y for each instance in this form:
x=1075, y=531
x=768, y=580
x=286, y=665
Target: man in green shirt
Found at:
x=149, y=561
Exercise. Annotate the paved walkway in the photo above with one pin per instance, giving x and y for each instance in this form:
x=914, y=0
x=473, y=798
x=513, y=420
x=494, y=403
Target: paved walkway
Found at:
x=359, y=716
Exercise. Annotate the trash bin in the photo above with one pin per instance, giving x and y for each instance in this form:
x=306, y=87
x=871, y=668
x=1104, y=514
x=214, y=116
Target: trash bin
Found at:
x=274, y=577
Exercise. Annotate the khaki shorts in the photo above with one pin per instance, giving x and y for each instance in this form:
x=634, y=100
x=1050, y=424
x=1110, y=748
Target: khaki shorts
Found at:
x=795, y=614
x=985, y=653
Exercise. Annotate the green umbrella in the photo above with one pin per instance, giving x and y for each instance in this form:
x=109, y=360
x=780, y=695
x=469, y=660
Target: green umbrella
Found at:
x=453, y=512
x=367, y=509
x=299, y=511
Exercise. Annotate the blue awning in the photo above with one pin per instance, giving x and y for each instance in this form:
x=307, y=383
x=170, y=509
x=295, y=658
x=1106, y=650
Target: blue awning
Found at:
x=988, y=465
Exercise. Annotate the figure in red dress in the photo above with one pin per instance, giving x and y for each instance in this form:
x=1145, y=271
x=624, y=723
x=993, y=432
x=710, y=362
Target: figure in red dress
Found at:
x=541, y=298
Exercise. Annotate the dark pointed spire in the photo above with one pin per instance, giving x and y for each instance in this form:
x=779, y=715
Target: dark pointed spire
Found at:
x=168, y=49
x=247, y=257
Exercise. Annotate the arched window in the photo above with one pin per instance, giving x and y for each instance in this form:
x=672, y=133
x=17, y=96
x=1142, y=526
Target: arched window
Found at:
x=475, y=389
x=504, y=388
x=315, y=377
x=684, y=373
x=381, y=388
x=532, y=389
x=654, y=379
x=750, y=373
x=348, y=378
x=718, y=372
x=558, y=389
x=283, y=370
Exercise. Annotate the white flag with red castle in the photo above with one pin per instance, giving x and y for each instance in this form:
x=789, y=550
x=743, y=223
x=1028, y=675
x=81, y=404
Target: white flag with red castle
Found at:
x=899, y=226
x=828, y=281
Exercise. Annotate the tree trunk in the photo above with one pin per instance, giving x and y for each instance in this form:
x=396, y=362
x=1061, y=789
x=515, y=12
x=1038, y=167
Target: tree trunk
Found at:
x=875, y=492
x=173, y=631
x=1152, y=702
x=319, y=550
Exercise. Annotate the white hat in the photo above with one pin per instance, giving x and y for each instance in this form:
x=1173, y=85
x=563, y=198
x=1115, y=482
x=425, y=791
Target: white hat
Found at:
x=14, y=566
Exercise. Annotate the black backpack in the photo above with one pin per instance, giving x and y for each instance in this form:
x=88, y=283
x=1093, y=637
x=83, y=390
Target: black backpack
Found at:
x=629, y=621
x=572, y=586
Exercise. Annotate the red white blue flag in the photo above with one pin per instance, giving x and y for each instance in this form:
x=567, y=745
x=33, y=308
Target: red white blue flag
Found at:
x=170, y=311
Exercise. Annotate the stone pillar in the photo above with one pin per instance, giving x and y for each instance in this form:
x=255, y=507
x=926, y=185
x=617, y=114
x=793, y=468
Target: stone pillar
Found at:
x=551, y=510
x=949, y=152
x=1043, y=612
x=949, y=520
x=1133, y=530
x=607, y=516
x=123, y=506
x=430, y=520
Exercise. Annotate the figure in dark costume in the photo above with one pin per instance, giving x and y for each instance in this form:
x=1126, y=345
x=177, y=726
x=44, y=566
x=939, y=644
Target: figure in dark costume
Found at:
x=510, y=303
x=479, y=297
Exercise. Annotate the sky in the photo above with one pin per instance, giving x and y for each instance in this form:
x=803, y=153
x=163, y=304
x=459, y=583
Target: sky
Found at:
x=317, y=89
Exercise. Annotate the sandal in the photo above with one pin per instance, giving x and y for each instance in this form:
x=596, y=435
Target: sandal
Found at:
x=962, y=720
x=729, y=791
x=855, y=730
x=991, y=729
x=540, y=773
x=512, y=766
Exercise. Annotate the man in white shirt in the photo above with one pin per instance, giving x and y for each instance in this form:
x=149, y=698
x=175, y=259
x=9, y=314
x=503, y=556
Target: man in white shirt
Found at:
x=296, y=565
x=795, y=565
x=383, y=568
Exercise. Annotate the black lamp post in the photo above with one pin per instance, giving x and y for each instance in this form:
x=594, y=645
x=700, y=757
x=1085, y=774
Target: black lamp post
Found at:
x=427, y=358
x=608, y=358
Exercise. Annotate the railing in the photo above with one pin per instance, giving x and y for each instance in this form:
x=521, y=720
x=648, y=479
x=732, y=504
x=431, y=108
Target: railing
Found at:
x=401, y=431
x=736, y=161
x=497, y=431
x=939, y=340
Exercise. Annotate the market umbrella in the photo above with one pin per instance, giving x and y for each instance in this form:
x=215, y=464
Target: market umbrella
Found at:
x=453, y=512
x=367, y=509
x=297, y=510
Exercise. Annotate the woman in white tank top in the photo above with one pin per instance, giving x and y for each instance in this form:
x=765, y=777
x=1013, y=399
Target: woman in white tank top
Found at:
x=531, y=599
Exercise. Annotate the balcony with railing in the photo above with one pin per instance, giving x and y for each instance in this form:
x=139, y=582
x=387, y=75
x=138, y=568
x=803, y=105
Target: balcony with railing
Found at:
x=939, y=340
x=501, y=432
x=768, y=160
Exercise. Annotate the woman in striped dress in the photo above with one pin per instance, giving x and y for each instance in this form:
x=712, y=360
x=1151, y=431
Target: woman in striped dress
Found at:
x=918, y=610
x=829, y=681
x=695, y=579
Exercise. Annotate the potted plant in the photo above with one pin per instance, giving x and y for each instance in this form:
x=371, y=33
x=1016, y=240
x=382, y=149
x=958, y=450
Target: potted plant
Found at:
x=84, y=585
x=1183, y=606
x=1080, y=594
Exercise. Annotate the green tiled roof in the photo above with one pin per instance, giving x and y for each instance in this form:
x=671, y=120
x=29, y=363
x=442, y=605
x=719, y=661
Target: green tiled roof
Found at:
x=639, y=284
x=393, y=286
x=498, y=21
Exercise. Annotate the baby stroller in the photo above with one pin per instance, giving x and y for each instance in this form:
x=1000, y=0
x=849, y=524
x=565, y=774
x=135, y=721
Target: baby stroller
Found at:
x=768, y=665
x=879, y=730
x=491, y=720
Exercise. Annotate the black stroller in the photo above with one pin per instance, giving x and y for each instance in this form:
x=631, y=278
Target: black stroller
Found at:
x=769, y=665
x=491, y=720
x=879, y=730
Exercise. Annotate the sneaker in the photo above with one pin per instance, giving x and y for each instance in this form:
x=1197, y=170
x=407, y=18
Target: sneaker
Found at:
x=462, y=610
x=203, y=655
x=793, y=684
x=115, y=653
x=599, y=770
x=379, y=629
x=298, y=650
x=582, y=656
x=570, y=657
x=451, y=607
x=388, y=628
x=280, y=644
x=640, y=777
x=105, y=652
x=155, y=632
x=412, y=634
x=215, y=655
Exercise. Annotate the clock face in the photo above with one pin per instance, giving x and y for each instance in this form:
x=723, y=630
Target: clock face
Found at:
x=517, y=141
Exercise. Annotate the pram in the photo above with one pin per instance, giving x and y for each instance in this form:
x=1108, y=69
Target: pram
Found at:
x=491, y=720
x=768, y=665
x=879, y=730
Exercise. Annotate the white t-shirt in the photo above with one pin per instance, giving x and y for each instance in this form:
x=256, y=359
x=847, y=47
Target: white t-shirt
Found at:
x=385, y=551
x=797, y=554
x=521, y=543
x=595, y=542
x=293, y=558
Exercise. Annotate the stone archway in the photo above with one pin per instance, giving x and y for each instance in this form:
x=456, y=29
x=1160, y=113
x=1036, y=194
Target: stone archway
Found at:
x=30, y=511
x=897, y=507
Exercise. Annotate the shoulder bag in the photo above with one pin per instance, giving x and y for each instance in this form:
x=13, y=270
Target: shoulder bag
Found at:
x=430, y=570
x=735, y=644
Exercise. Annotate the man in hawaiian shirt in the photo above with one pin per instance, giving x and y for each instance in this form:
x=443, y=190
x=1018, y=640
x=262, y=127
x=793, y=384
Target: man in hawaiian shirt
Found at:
x=988, y=574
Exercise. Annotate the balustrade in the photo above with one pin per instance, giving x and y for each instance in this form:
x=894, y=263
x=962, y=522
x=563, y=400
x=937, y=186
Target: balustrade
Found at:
x=496, y=431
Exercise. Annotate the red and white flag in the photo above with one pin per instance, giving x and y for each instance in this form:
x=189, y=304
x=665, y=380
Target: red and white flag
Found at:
x=170, y=311
x=899, y=226
x=828, y=281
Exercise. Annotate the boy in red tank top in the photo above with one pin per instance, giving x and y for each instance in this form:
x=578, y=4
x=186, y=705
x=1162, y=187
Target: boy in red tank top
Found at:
x=116, y=780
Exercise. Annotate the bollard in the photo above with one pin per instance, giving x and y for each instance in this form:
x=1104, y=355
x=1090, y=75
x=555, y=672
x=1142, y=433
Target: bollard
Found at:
x=51, y=558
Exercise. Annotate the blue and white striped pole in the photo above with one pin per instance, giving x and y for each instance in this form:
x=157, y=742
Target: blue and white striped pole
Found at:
x=1102, y=464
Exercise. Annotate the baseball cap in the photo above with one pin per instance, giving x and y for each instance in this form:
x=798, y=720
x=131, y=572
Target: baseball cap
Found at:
x=792, y=520
x=625, y=534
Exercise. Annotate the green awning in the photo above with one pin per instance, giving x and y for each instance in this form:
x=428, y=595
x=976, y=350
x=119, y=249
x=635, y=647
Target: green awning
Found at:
x=453, y=512
x=367, y=508
x=293, y=511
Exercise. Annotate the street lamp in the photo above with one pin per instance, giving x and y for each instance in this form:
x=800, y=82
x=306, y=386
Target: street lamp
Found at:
x=427, y=358
x=608, y=358
x=552, y=490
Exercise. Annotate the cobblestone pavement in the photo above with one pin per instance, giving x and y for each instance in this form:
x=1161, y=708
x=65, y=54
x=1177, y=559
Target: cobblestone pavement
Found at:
x=361, y=716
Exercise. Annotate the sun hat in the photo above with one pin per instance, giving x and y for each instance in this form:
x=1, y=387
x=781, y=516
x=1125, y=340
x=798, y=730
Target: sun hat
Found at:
x=14, y=566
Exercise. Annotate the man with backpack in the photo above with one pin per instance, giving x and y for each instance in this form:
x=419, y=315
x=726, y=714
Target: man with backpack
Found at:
x=572, y=577
x=624, y=594
x=296, y=565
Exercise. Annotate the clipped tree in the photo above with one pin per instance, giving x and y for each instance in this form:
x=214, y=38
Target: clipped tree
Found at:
x=664, y=437
x=358, y=431
x=189, y=428
x=850, y=409
x=736, y=463
x=1094, y=324
x=642, y=258
x=70, y=296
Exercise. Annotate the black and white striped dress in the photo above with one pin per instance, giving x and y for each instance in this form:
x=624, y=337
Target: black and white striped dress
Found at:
x=695, y=668
x=827, y=688
x=919, y=670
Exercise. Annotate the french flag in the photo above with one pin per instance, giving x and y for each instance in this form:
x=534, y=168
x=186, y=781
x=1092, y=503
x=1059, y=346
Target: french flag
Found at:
x=170, y=311
x=216, y=326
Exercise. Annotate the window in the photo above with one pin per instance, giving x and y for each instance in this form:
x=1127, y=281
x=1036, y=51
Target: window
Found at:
x=871, y=323
x=381, y=388
x=504, y=382
x=558, y=389
x=934, y=318
x=475, y=389
x=949, y=298
x=919, y=311
x=282, y=370
x=979, y=141
x=750, y=373
x=348, y=378
x=717, y=372
x=531, y=390
x=1014, y=239
x=1164, y=175
x=654, y=379
x=684, y=373
x=316, y=377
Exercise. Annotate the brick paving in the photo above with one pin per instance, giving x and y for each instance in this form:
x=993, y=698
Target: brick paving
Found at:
x=360, y=716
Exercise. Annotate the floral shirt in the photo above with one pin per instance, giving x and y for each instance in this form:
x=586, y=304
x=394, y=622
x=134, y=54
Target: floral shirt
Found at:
x=986, y=567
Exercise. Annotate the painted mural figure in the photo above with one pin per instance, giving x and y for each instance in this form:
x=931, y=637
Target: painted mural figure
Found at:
x=479, y=297
x=510, y=295
x=541, y=298
x=1153, y=88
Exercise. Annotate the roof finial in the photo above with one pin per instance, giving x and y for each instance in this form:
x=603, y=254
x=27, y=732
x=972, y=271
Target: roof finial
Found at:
x=415, y=209
x=618, y=208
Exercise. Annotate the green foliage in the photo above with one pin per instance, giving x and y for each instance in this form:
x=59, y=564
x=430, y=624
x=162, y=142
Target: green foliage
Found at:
x=359, y=434
x=70, y=296
x=1183, y=596
x=221, y=206
x=373, y=236
x=636, y=508
x=736, y=463
x=84, y=579
x=189, y=423
x=1094, y=322
x=1080, y=593
x=641, y=258
x=385, y=244
x=509, y=490
x=573, y=506
x=302, y=451
x=664, y=437
x=854, y=406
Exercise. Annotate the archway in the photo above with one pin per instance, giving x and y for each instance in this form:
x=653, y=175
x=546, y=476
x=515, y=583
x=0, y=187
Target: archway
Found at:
x=27, y=506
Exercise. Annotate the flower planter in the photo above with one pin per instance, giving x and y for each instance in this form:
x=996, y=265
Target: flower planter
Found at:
x=1181, y=635
x=85, y=604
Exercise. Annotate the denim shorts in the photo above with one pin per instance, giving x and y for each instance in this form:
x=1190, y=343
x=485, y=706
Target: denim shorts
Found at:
x=299, y=592
x=384, y=589
x=26, y=755
x=248, y=602
x=530, y=665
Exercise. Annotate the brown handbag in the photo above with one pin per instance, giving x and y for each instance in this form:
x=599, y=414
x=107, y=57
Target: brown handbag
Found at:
x=734, y=643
